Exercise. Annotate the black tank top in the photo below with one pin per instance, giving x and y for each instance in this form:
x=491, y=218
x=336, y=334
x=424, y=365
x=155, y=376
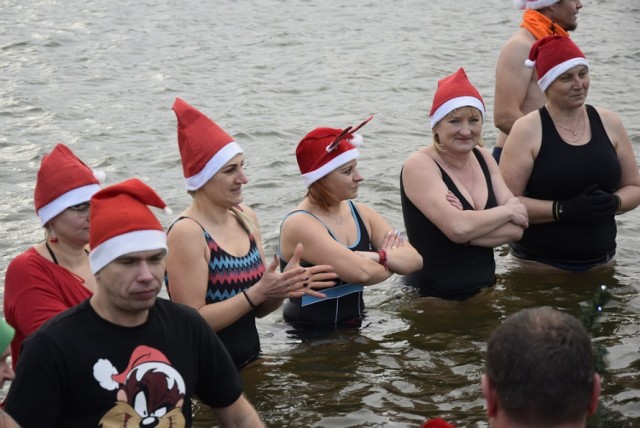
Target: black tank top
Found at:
x=449, y=270
x=561, y=171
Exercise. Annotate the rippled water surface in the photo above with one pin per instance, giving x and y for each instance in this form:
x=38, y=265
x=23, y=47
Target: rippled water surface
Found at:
x=101, y=76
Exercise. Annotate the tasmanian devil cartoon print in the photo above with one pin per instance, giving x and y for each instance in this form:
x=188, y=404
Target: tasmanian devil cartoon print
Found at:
x=150, y=392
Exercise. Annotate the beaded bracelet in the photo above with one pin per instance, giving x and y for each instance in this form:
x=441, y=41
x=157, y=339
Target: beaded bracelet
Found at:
x=382, y=254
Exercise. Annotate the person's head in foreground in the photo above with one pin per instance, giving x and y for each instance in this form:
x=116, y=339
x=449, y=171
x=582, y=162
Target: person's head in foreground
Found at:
x=539, y=371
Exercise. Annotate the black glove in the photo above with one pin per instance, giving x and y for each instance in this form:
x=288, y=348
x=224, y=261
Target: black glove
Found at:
x=590, y=206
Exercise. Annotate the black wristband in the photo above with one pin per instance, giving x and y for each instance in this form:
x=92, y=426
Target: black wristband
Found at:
x=554, y=210
x=248, y=299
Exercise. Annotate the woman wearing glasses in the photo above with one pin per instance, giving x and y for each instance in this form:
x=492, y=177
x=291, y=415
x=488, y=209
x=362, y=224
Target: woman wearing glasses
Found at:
x=334, y=230
x=53, y=275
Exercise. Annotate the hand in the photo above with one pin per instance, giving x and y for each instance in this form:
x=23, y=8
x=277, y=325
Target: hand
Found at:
x=591, y=205
x=315, y=277
x=519, y=214
x=392, y=240
x=453, y=200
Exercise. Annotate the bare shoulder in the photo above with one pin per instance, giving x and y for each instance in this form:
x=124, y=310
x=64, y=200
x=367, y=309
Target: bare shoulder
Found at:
x=418, y=161
x=517, y=46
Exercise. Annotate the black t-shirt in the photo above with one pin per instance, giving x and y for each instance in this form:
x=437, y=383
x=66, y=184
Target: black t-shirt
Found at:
x=79, y=370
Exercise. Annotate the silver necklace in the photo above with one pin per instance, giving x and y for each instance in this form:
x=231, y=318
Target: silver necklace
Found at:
x=574, y=131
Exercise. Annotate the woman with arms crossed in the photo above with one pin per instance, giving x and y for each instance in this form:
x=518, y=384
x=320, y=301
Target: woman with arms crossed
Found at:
x=455, y=204
x=350, y=236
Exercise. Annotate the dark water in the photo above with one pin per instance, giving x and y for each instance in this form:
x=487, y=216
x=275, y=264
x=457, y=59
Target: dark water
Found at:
x=101, y=77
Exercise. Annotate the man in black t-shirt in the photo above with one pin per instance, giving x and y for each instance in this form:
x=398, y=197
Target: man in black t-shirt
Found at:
x=125, y=357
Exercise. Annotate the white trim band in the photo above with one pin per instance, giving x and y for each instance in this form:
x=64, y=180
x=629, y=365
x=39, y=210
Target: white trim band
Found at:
x=556, y=71
x=139, y=240
x=453, y=104
x=214, y=164
x=311, y=177
x=73, y=197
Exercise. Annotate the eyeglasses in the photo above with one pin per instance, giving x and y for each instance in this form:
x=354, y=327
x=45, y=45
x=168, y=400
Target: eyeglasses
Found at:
x=81, y=209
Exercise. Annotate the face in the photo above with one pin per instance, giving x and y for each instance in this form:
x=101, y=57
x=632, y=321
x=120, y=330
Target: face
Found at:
x=570, y=89
x=6, y=372
x=225, y=187
x=72, y=224
x=565, y=13
x=128, y=286
x=344, y=181
x=460, y=130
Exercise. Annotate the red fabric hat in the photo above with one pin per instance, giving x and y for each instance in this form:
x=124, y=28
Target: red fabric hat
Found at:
x=454, y=91
x=552, y=56
x=143, y=359
x=204, y=146
x=325, y=149
x=63, y=181
x=121, y=222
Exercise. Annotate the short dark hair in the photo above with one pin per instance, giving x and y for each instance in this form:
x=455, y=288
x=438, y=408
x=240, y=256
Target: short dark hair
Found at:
x=541, y=363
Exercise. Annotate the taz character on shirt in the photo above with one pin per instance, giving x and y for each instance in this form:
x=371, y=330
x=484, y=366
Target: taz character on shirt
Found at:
x=150, y=391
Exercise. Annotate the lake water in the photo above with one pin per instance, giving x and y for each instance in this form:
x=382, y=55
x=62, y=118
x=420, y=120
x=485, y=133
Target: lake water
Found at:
x=101, y=76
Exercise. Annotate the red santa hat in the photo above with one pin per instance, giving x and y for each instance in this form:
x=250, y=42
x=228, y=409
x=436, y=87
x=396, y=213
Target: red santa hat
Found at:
x=534, y=4
x=552, y=56
x=143, y=359
x=63, y=181
x=121, y=222
x=325, y=149
x=204, y=146
x=454, y=91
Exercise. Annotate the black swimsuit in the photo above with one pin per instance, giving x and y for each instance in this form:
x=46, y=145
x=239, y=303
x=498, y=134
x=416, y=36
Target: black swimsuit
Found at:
x=344, y=304
x=450, y=270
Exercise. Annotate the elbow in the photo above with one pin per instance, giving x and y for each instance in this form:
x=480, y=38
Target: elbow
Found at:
x=502, y=123
x=459, y=234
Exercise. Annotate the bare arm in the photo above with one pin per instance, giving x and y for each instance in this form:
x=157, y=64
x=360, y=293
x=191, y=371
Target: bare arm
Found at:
x=402, y=258
x=321, y=248
x=513, y=230
x=513, y=82
x=629, y=188
x=516, y=164
x=240, y=414
x=459, y=226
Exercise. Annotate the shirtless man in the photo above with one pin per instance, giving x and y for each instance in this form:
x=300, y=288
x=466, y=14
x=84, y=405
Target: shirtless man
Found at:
x=517, y=92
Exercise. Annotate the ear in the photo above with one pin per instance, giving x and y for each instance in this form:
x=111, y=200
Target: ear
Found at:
x=490, y=396
x=595, y=394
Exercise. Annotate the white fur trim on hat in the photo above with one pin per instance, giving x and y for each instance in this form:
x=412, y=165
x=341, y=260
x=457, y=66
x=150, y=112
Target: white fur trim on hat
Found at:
x=311, y=177
x=556, y=71
x=73, y=197
x=139, y=240
x=453, y=104
x=223, y=156
x=534, y=4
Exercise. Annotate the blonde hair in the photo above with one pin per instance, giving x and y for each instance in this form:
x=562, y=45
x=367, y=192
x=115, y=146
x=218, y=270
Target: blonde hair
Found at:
x=244, y=219
x=435, y=138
